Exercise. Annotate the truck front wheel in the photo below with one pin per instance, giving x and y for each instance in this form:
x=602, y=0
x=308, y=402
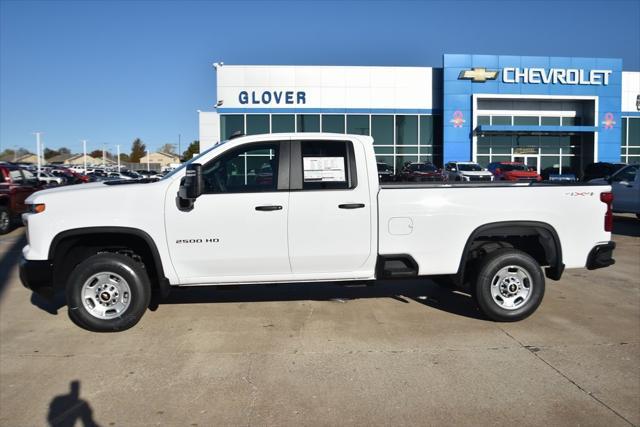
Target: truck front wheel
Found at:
x=509, y=286
x=108, y=292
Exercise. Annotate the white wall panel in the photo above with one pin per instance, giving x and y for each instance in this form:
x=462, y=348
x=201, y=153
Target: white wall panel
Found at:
x=329, y=86
x=630, y=90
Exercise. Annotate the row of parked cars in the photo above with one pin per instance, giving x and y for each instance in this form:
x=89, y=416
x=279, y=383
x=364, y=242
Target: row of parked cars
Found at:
x=18, y=181
x=496, y=171
x=624, y=179
x=459, y=171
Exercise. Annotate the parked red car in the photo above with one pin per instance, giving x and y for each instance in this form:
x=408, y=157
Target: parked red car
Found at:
x=513, y=171
x=16, y=184
x=70, y=176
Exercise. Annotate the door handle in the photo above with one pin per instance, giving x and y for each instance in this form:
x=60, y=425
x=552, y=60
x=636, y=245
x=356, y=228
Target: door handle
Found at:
x=269, y=208
x=351, y=206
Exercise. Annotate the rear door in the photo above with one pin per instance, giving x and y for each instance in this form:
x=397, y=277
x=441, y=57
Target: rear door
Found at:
x=329, y=209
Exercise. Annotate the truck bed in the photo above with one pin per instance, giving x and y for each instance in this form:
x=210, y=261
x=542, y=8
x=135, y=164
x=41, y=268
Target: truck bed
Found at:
x=434, y=226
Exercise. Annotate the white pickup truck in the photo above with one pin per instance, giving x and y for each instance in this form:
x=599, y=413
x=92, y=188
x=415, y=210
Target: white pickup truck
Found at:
x=305, y=207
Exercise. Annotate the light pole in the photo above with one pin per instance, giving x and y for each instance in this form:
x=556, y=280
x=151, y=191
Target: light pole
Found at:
x=38, y=151
x=179, y=147
x=84, y=151
x=104, y=151
x=118, y=151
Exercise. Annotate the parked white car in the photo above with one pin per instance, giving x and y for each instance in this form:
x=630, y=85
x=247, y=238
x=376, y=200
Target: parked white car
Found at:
x=316, y=213
x=466, y=171
x=49, y=178
x=625, y=184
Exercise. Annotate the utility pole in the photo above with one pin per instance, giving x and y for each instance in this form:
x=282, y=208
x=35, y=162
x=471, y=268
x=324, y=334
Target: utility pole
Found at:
x=118, y=149
x=179, y=147
x=38, y=151
x=148, y=155
x=84, y=151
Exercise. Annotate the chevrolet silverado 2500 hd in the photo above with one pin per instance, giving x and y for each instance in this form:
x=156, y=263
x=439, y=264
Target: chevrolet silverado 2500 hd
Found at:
x=305, y=208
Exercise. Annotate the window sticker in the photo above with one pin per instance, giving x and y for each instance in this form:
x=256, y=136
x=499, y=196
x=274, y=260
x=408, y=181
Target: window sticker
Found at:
x=324, y=169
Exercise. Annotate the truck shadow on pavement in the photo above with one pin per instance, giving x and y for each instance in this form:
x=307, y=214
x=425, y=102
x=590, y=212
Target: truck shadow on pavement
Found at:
x=423, y=291
x=10, y=259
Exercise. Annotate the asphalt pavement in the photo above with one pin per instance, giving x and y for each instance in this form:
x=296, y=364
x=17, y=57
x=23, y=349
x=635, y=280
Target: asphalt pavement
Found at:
x=397, y=353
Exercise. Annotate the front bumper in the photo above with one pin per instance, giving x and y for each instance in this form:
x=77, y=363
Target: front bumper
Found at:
x=600, y=256
x=37, y=276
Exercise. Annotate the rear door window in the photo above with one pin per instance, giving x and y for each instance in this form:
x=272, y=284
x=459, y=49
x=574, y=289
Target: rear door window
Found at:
x=327, y=165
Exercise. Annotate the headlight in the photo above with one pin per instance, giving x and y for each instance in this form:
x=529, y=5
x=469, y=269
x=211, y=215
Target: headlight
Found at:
x=35, y=208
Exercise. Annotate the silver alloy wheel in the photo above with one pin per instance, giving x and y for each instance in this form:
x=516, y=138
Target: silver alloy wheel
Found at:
x=4, y=220
x=106, y=295
x=511, y=287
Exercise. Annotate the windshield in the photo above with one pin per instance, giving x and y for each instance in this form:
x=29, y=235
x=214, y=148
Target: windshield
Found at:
x=423, y=167
x=513, y=167
x=192, y=160
x=469, y=167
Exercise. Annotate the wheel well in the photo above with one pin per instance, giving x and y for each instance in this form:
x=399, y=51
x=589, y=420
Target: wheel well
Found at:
x=68, y=251
x=539, y=240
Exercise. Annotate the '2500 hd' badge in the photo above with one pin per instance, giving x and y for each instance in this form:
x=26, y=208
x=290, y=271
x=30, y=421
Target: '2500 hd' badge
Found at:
x=208, y=240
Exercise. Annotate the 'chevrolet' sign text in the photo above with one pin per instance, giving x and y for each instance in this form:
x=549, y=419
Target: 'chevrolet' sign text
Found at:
x=571, y=76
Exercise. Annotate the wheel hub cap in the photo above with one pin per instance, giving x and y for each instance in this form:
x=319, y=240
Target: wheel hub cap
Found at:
x=106, y=295
x=511, y=287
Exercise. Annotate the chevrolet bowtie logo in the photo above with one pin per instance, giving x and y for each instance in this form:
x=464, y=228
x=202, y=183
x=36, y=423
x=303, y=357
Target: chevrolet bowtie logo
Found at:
x=478, y=75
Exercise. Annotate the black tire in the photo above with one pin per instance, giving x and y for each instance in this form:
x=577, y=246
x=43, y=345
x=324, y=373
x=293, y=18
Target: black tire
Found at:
x=5, y=220
x=135, y=277
x=488, y=271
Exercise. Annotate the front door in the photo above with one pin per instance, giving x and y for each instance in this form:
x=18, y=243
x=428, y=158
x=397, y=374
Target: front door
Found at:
x=330, y=210
x=237, y=229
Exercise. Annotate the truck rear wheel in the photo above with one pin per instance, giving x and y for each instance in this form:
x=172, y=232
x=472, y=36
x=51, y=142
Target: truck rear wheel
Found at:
x=509, y=286
x=108, y=292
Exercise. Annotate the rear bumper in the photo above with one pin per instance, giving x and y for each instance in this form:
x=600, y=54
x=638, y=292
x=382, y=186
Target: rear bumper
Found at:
x=37, y=275
x=601, y=256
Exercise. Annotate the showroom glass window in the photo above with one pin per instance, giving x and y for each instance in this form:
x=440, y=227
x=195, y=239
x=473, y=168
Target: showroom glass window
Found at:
x=257, y=124
x=230, y=124
x=333, y=123
x=358, y=124
x=382, y=130
x=243, y=170
x=308, y=123
x=283, y=123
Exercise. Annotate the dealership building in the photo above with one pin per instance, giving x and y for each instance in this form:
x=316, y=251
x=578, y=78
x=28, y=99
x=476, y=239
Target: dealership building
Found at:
x=545, y=111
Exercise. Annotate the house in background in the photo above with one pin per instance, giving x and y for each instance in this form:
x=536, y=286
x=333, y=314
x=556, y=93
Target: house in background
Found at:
x=165, y=160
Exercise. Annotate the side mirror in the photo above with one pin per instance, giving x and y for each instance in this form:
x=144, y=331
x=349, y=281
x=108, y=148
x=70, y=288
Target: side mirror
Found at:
x=192, y=184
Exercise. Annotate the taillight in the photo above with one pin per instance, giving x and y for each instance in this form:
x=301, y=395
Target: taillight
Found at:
x=608, y=217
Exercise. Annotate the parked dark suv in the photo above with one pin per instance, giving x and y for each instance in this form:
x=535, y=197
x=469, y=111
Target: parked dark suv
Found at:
x=16, y=184
x=385, y=172
x=420, y=172
x=600, y=170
